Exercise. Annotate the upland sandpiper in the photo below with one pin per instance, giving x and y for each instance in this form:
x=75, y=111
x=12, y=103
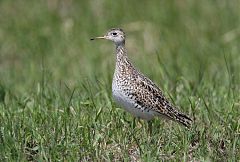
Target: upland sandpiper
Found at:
x=136, y=93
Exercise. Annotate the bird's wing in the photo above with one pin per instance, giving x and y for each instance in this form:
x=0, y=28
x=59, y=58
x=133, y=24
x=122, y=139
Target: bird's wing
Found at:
x=150, y=97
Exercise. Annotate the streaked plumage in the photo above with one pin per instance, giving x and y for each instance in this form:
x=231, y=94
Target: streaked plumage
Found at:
x=136, y=93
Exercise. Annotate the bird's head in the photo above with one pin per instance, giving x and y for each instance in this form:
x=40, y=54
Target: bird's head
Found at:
x=116, y=35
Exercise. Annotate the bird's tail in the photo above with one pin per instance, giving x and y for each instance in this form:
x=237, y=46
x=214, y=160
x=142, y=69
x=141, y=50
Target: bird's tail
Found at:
x=183, y=119
x=179, y=117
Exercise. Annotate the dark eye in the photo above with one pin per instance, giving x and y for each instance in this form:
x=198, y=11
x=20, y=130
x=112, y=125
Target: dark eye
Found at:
x=114, y=34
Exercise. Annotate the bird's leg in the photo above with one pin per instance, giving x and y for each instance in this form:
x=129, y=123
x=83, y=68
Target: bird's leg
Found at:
x=135, y=122
x=133, y=125
x=150, y=128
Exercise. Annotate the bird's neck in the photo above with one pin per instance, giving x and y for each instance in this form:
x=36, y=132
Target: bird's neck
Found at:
x=122, y=61
x=121, y=52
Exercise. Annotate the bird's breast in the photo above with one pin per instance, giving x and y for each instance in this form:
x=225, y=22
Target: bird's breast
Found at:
x=128, y=102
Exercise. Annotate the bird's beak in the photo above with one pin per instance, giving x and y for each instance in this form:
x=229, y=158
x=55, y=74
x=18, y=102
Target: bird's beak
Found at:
x=104, y=37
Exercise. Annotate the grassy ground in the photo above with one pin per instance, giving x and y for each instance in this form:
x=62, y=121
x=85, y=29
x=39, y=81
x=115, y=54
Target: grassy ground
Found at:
x=55, y=85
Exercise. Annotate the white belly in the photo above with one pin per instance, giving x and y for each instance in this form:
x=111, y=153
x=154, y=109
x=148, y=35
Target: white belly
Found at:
x=128, y=104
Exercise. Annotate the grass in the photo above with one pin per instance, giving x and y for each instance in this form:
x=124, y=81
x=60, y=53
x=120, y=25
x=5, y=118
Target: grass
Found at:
x=55, y=93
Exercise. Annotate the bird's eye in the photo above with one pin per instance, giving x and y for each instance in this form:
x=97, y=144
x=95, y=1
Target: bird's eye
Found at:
x=114, y=34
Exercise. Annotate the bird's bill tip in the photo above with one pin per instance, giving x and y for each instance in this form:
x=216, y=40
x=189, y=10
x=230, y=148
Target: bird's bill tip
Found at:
x=98, y=38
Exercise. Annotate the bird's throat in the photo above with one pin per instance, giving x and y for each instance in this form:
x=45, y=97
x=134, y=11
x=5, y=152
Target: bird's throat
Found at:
x=122, y=61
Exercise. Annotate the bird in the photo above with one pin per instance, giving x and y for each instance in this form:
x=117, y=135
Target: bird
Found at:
x=136, y=93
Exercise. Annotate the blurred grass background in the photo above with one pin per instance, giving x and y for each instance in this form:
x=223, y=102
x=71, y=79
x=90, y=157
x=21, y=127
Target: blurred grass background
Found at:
x=55, y=85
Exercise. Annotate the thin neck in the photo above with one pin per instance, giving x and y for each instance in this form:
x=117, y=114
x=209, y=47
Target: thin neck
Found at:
x=122, y=61
x=121, y=52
